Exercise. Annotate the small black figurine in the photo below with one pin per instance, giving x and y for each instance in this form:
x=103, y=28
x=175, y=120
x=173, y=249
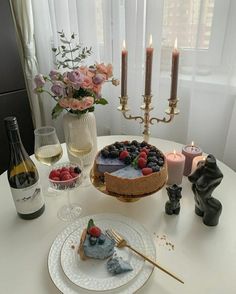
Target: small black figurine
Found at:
x=173, y=206
x=204, y=180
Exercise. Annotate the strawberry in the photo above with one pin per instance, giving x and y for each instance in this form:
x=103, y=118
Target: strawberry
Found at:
x=94, y=231
x=143, y=155
x=123, y=154
x=142, y=162
x=146, y=171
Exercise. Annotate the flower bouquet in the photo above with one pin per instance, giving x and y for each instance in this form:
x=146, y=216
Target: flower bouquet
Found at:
x=78, y=89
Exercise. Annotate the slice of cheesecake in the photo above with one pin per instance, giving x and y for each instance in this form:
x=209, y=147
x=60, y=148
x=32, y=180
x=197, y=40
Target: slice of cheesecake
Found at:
x=117, y=265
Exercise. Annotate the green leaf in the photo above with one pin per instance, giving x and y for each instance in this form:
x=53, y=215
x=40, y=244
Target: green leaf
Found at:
x=90, y=224
x=57, y=110
x=64, y=41
x=54, y=49
x=102, y=101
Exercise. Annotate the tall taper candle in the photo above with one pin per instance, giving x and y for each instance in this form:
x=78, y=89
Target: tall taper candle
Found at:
x=124, y=66
x=148, y=76
x=174, y=72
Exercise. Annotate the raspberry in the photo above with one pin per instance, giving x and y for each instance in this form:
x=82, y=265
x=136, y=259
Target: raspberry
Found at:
x=57, y=179
x=66, y=177
x=146, y=171
x=142, y=162
x=123, y=154
x=143, y=155
x=94, y=231
x=54, y=173
x=65, y=172
x=65, y=169
x=74, y=175
x=145, y=150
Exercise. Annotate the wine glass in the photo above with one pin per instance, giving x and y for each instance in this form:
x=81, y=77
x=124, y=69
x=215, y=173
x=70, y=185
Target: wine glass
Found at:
x=67, y=176
x=47, y=148
x=79, y=149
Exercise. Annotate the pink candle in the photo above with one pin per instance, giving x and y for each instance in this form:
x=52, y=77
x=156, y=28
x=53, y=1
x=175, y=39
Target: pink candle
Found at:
x=175, y=167
x=124, y=66
x=148, y=75
x=197, y=161
x=190, y=151
x=174, y=72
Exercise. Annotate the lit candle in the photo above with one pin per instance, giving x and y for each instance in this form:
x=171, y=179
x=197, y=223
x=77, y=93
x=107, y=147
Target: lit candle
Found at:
x=148, y=76
x=190, y=151
x=175, y=167
x=198, y=160
x=124, y=66
x=174, y=72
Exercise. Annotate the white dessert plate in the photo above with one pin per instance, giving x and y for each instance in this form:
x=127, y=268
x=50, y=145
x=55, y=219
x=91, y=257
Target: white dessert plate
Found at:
x=93, y=274
x=67, y=287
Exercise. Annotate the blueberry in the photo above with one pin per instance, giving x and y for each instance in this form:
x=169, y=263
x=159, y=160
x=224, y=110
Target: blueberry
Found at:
x=128, y=160
x=132, y=148
x=155, y=168
x=77, y=170
x=151, y=153
x=105, y=153
x=152, y=159
x=160, y=162
x=92, y=240
x=101, y=239
x=151, y=164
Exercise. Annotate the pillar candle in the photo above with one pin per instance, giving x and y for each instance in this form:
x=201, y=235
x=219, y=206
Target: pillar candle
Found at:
x=148, y=75
x=174, y=72
x=175, y=167
x=124, y=66
x=190, y=151
x=197, y=160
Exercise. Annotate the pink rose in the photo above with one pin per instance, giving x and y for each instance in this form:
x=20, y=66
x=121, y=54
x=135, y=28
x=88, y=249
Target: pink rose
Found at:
x=97, y=88
x=58, y=88
x=87, y=83
x=91, y=71
x=88, y=101
x=39, y=81
x=74, y=103
x=109, y=71
x=64, y=102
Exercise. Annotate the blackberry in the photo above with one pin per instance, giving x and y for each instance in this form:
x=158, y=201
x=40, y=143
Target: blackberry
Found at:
x=143, y=144
x=156, y=168
x=105, y=153
x=111, y=148
x=132, y=148
x=101, y=239
x=119, y=145
x=77, y=170
x=92, y=240
x=114, y=154
x=135, y=143
x=128, y=160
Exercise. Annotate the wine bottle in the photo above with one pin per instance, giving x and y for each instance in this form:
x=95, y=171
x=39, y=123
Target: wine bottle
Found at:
x=22, y=175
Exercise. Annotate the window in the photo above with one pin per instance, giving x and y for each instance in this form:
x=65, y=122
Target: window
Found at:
x=199, y=26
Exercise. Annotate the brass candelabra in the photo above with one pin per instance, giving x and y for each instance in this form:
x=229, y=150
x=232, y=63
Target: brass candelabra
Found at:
x=147, y=108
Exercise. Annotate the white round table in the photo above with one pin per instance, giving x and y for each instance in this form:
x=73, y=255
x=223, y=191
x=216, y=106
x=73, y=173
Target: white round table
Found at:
x=204, y=257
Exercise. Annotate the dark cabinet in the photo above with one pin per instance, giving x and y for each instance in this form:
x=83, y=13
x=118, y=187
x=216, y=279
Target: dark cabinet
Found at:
x=13, y=96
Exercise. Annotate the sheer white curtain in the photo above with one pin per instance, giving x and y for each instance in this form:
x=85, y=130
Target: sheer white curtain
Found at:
x=206, y=73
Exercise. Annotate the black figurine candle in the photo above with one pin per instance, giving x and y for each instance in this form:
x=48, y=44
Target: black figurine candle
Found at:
x=173, y=206
x=204, y=180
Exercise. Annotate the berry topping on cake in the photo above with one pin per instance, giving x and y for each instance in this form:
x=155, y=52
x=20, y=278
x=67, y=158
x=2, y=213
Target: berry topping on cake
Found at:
x=123, y=154
x=146, y=171
x=142, y=162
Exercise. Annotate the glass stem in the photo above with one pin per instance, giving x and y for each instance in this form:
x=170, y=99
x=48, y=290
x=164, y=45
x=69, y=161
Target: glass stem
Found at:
x=68, y=198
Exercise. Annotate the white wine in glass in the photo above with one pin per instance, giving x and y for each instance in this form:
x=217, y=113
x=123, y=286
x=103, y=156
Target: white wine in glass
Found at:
x=49, y=154
x=47, y=150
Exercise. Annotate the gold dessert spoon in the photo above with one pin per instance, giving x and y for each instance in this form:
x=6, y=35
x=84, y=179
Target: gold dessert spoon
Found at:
x=121, y=242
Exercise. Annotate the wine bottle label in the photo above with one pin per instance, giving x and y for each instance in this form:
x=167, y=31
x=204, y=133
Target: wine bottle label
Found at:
x=28, y=200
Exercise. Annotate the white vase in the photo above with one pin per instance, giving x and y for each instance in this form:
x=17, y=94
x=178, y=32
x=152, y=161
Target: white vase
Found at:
x=81, y=136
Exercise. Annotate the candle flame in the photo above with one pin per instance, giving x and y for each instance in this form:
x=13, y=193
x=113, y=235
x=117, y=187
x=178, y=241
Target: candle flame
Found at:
x=204, y=158
x=176, y=42
x=124, y=45
x=150, y=41
x=174, y=153
x=192, y=144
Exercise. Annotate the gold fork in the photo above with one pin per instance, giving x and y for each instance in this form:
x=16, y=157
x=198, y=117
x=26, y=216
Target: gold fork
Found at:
x=121, y=242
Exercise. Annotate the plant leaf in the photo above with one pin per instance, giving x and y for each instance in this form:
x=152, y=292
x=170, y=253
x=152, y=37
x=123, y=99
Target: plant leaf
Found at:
x=57, y=110
x=102, y=101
